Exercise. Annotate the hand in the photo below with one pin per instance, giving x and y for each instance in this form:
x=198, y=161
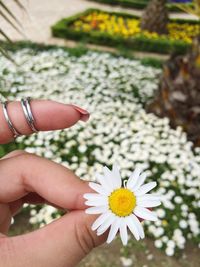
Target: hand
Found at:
x=27, y=178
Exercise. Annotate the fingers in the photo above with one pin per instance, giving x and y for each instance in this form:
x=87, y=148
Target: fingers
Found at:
x=29, y=173
x=49, y=115
x=62, y=243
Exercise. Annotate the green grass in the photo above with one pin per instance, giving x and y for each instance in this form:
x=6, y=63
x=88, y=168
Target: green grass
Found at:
x=5, y=149
x=78, y=51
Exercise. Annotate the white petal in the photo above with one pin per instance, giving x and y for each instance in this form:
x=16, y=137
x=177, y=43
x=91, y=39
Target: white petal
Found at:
x=98, y=188
x=103, y=228
x=133, y=178
x=140, y=181
x=145, y=188
x=96, y=210
x=145, y=214
x=113, y=230
x=148, y=204
x=93, y=196
x=108, y=176
x=116, y=176
x=102, y=180
x=123, y=232
x=97, y=202
x=138, y=225
x=148, y=197
x=100, y=220
x=133, y=228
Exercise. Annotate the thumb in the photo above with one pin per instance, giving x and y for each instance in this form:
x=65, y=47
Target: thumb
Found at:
x=62, y=243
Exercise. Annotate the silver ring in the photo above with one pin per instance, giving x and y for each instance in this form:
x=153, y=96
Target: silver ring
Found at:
x=10, y=125
x=25, y=103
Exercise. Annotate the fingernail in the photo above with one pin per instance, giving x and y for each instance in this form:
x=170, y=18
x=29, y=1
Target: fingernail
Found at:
x=99, y=233
x=85, y=115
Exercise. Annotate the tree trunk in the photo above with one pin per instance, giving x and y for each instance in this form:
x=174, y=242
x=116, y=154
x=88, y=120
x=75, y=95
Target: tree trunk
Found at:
x=155, y=17
x=179, y=92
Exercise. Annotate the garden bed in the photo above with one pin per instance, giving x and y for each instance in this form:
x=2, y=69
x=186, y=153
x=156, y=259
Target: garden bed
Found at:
x=115, y=90
x=135, y=4
x=122, y=30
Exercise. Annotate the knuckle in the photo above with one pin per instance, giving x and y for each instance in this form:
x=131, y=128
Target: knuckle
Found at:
x=26, y=175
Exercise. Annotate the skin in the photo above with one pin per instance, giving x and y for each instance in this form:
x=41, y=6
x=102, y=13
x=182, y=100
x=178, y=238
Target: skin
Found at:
x=27, y=178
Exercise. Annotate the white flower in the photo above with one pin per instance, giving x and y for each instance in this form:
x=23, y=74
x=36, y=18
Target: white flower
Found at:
x=82, y=148
x=158, y=243
x=33, y=212
x=169, y=251
x=120, y=128
x=165, y=239
x=171, y=244
x=178, y=199
x=12, y=220
x=184, y=207
x=126, y=262
x=159, y=231
x=150, y=257
x=183, y=224
x=120, y=206
x=160, y=213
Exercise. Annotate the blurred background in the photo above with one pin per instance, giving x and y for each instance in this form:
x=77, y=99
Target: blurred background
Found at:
x=135, y=65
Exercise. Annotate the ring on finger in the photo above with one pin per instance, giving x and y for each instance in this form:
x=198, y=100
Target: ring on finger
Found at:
x=25, y=103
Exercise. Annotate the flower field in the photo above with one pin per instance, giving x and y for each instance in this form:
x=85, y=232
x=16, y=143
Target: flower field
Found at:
x=129, y=27
x=115, y=91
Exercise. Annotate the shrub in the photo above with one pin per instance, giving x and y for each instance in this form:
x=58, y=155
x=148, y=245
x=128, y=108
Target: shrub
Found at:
x=80, y=28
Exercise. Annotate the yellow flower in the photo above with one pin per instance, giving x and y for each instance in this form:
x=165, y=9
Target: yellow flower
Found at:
x=164, y=223
x=129, y=28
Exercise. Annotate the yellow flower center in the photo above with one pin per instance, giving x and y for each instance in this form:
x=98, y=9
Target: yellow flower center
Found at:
x=122, y=202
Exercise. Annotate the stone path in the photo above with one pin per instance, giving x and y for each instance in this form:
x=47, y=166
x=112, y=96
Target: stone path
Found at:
x=42, y=14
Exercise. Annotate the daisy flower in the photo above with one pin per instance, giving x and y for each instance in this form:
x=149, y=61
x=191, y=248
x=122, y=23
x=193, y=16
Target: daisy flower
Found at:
x=121, y=204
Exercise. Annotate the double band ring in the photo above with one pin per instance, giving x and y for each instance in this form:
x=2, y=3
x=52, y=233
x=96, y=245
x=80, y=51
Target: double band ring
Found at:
x=25, y=102
x=26, y=107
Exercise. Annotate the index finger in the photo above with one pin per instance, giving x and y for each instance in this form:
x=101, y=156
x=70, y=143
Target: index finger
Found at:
x=30, y=173
x=49, y=115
